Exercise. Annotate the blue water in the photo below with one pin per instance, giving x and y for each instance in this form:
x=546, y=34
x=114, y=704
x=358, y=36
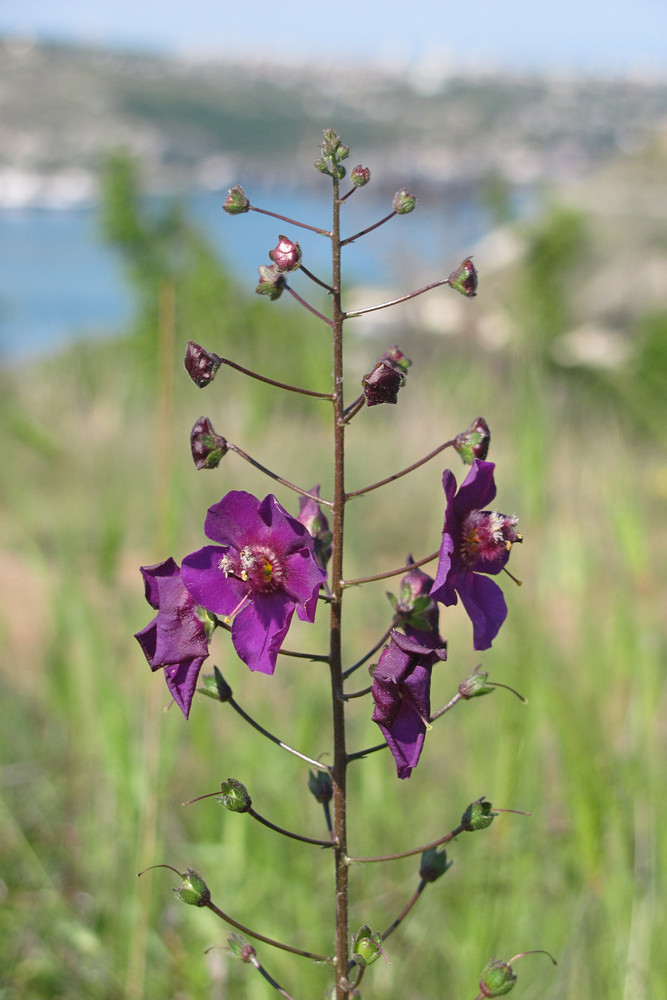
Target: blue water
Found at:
x=59, y=281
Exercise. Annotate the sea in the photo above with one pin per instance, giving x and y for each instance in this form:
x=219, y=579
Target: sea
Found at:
x=59, y=281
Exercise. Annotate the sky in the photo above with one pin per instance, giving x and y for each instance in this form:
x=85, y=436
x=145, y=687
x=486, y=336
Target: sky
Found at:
x=598, y=37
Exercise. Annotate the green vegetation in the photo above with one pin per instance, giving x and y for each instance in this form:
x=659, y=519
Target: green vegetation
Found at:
x=96, y=479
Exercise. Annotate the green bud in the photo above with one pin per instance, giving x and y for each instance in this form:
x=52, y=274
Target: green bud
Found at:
x=234, y=796
x=236, y=201
x=434, y=863
x=321, y=165
x=241, y=947
x=215, y=686
x=478, y=816
x=464, y=278
x=474, y=441
x=360, y=176
x=404, y=202
x=498, y=978
x=474, y=686
x=193, y=890
x=366, y=946
x=271, y=281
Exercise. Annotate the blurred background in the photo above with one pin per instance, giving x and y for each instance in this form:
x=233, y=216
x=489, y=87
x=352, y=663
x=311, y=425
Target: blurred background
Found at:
x=539, y=145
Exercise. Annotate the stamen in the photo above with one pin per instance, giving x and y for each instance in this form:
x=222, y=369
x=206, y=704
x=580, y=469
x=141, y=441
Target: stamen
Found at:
x=244, y=600
x=519, y=583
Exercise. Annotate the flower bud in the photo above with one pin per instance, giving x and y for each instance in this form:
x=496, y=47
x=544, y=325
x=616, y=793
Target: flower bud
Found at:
x=215, y=686
x=474, y=686
x=271, y=281
x=321, y=165
x=382, y=384
x=474, y=441
x=320, y=785
x=478, y=816
x=434, y=863
x=287, y=255
x=236, y=201
x=404, y=202
x=193, y=890
x=241, y=947
x=498, y=978
x=200, y=364
x=360, y=176
x=207, y=447
x=234, y=796
x=464, y=278
x=366, y=946
x=312, y=518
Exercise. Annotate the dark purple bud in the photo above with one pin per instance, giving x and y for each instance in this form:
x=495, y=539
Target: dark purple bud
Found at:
x=241, y=948
x=312, y=518
x=478, y=816
x=320, y=785
x=234, y=796
x=497, y=979
x=207, y=447
x=404, y=202
x=382, y=384
x=360, y=176
x=464, y=278
x=200, y=364
x=271, y=281
x=236, y=201
x=474, y=441
x=193, y=890
x=434, y=863
x=287, y=255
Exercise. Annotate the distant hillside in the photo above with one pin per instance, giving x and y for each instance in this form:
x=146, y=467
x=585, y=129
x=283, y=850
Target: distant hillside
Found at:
x=195, y=123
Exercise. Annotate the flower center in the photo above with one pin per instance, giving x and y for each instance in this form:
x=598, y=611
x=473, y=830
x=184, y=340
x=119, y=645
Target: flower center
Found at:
x=256, y=565
x=487, y=535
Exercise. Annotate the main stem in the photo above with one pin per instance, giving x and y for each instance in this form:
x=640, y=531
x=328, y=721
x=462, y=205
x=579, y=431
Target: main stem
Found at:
x=335, y=646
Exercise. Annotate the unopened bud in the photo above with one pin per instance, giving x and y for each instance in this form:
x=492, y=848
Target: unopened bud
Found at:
x=434, y=863
x=366, y=946
x=271, y=281
x=320, y=785
x=193, y=890
x=200, y=364
x=474, y=441
x=360, y=176
x=207, y=447
x=241, y=947
x=382, y=384
x=234, y=796
x=215, y=686
x=236, y=201
x=478, y=816
x=464, y=278
x=404, y=202
x=287, y=255
x=474, y=686
x=497, y=979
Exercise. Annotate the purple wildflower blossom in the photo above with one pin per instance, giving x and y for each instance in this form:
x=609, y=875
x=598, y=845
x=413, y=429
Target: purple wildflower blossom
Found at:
x=263, y=568
x=176, y=638
x=474, y=542
x=402, y=694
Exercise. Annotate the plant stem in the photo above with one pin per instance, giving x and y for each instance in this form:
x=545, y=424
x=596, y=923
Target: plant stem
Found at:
x=260, y=937
x=339, y=770
x=395, y=302
x=272, y=475
x=287, y=833
x=292, y=222
x=403, y=472
x=391, y=572
x=271, y=381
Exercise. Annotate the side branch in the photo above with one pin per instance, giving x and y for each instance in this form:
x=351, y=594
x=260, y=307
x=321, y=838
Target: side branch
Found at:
x=292, y=222
x=272, y=475
x=260, y=937
x=395, y=302
x=271, y=381
x=403, y=472
x=416, y=850
x=391, y=572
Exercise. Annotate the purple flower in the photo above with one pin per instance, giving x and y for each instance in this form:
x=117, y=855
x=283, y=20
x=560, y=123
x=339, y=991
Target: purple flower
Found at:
x=402, y=694
x=474, y=542
x=263, y=568
x=176, y=638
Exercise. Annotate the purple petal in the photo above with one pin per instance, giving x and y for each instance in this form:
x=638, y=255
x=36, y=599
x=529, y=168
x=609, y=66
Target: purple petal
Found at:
x=259, y=629
x=477, y=490
x=207, y=583
x=147, y=639
x=152, y=576
x=235, y=520
x=442, y=589
x=181, y=680
x=303, y=580
x=483, y=600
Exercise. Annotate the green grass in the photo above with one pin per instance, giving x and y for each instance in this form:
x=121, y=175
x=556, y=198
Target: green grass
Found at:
x=96, y=481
